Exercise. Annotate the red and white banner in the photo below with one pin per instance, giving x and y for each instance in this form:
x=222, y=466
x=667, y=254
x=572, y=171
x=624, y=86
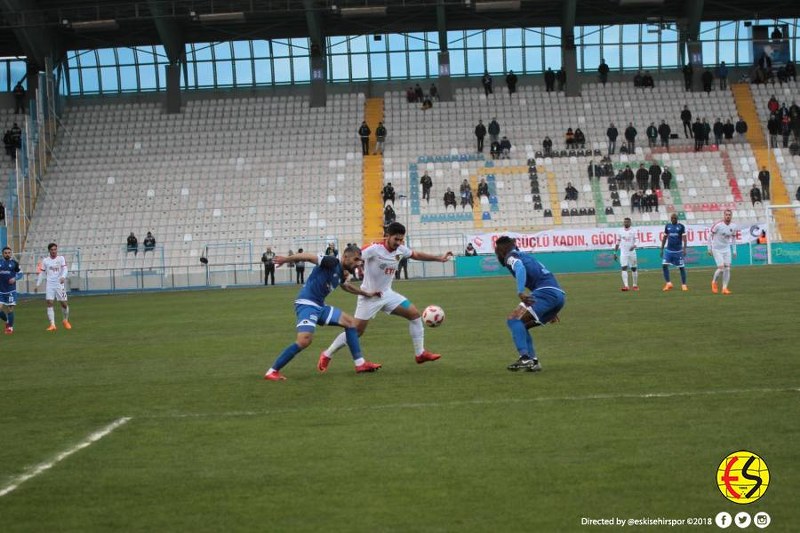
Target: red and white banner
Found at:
x=575, y=239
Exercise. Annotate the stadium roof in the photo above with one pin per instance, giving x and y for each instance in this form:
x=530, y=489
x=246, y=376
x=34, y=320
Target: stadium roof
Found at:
x=33, y=27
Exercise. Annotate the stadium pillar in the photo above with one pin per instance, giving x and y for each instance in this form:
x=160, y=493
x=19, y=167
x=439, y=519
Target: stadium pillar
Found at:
x=569, y=56
x=443, y=83
x=173, y=88
x=319, y=91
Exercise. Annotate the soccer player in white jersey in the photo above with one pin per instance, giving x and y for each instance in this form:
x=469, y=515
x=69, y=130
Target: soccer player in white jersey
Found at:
x=721, y=239
x=380, y=263
x=626, y=246
x=54, y=269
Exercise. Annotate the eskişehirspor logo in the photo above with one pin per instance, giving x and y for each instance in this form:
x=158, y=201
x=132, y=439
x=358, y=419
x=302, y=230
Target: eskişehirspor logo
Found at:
x=743, y=477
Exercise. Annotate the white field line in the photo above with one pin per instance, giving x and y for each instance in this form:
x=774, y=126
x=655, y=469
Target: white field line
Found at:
x=34, y=471
x=460, y=403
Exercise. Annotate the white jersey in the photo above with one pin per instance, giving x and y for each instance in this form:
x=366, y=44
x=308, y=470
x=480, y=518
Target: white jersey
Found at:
x=53, y=269
x=722, y=236
x=380, y=265
x=627, y=240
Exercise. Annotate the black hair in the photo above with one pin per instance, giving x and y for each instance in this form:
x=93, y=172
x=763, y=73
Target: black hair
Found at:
x=395, y=228
x=351, y=249
x=51, y=245
x=7, y=248
x=505, y=239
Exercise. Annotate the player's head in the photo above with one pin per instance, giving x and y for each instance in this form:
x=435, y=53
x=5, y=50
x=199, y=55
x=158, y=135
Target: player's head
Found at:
x=504, y=246
x=6, y=253
x=53, y=249
x=674, y=218
x=395, y=235
x=351, y=258
x=626, y=222
x=727, y=215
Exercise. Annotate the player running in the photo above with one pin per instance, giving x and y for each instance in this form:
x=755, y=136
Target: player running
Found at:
x=538, y=307
x=626, y=245
x=311, y=309
x=675, y=239
x=54, y=269
x=721, y=239
x=9, y=274
x=380, y=263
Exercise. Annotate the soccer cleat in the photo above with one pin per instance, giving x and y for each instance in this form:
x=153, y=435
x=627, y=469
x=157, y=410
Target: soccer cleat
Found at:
x=667, y=287
x=714, y=287
x=66, y=323
x=684, y=288
x=274, y=376
x=9, y=330
x=426, y=356
x=367, y=367
x=636, y=287
x=525, y=363
x=726, y=291
x=624, y=289
x=324, y=361
x=51, y=327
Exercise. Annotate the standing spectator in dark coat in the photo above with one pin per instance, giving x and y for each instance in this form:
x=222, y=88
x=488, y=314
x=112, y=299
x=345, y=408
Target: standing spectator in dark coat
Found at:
x=449, y=198
x=300, y=270
x=773, y=127
x=706, y=131
x=603, y=70
x=764, y=177
x=402, y=266
x=647, y=81
x=755, y=195
x=364, y=132
x=268, y=258
x=741, y=128
x=480, y=133
x=380, y=138
x=722, y=74
x=494, y=130
x=708, y=80
x=642, y=177
x=433, y=91
x=612, y=135
x=666, y=178
x=486, y=80
x=728, y=130
x=718, y=130
x=688, y=74
x=19, y=99
x=388, y=193
x=697, y=133
x=561, y=77
x=511, y=81
x=652, y=134
x=630, y=137
x=627, y=176
x=686, y=118
x=655, y=176
x=426, y=183
x=791, y=71
x=419, y=94
x=547, y=145
x=664, y=131
x=549, y=79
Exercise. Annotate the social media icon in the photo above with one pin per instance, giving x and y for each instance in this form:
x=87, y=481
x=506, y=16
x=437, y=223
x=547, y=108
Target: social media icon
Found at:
x=762, y=520
x=742, y=520
x=723, y=520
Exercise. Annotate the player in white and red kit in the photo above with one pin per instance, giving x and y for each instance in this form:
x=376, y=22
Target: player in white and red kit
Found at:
x=54, y=269
x=380, y=263
x=626, y=245
x=721, y=239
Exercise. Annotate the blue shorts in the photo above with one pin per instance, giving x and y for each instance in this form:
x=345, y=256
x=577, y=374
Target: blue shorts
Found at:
x=308, y=316
x=673, y=258
x=8, y=298
x=547, y=303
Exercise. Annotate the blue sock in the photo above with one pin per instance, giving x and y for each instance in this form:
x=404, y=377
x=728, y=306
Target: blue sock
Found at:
x=531, y=351
x=665, y=269
x=11, y=319
x=519, y=334
x=683, y=276
x=286, y=355
x=352, y=342
x=3, y=316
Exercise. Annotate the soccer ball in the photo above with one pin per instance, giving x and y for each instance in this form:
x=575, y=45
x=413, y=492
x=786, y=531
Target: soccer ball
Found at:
x=433, y=316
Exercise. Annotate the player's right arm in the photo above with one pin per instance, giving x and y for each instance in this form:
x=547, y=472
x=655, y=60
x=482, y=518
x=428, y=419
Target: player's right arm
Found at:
x=42, y=274
x=663, y=242
x=711, y=234
x=521, y=276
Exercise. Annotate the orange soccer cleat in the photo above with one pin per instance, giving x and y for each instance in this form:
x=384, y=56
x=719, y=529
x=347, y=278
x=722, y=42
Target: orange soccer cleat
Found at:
x=624, y=289
x=714, y=287
x=274, y=376
x=667, y=287
x=684, y=288
x=324, y=361
x=426, y=356
x=66, y=323
x=367, y=367
x=51, y=327
x=726, y=291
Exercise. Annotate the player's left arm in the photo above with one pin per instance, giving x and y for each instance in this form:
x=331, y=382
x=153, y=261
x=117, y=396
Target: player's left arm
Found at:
x=521, y=276
x=684, y=244
x=294, y=258
x=64, y=271
x=422, y=256
x=352, y=289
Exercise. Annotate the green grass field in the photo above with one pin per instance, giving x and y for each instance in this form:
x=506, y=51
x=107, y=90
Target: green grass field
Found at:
x=641, y=397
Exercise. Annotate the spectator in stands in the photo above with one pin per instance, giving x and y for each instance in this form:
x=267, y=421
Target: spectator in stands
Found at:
x=364, y=133
x=268, y=258
x=433, y=91
x=612, y=135
x=722, y=74
x=652, y=134
x=647, y=81
x=402, y=266
x=642, y=177
x=638, y=81
x=718, y=130
x=786, y=129
x=773, y=127
x=580, y=139
x=480, y=133
x=655, y=176
x=483, y=188
x=630, y=137
x=776, y=34
x=449, y=198
x=664, y=131
x=547, y=145
x=666, y=179
x=686, y=118
x=494, y=150
x=8, y=141
x=571, y=192
x=411, y=97
x=19, y=99
x=511, y=81
x=765, y=65
x=331, y=249
x=762, y=239
x=764, y=178
x=427, y=184
x=569, y=139
x=627, y=177
x=494, y=130
x=728, y=130
x=636, y=201
x=2, y=213
x=388, y=193
x=708, y=80
x=464, y=188
x=16, y=132
x=652, y=201
x=505, y=148
x=797, y=194
x=603, y=70
x=741, y=128
x=755, y=195
x=149, y=242
x=486, y=80
x=791, y=71
x=470, y=250
x=561, y=78
x=466, y=199
x=380, y=136
x=706, y=131
x=427, y=103
x=549, y=79
x=300, y=270
x=697, y=133
x=418, y=93
x=688, y=74
x=773, y=105
x=389, y=215
x=133, y=244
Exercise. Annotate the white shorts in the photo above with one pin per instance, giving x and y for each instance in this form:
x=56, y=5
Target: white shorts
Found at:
x=628, y=259
x=367, y=308
x=722, y=257
x=56, y=292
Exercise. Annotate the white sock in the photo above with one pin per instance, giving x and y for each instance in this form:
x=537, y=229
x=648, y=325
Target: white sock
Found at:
x=65, y=312
x=336, y=345
x=717, y=272
x=51, y=315
x=270, y=371
x=635, y=275
x=726, y=277
x=417, y=332
x=624, y=277
x=360, y=361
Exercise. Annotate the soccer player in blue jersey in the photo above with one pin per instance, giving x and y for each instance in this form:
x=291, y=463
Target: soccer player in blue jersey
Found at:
x=537, y=307
x=675, y=239
x=311, y=310
x=9, y=274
